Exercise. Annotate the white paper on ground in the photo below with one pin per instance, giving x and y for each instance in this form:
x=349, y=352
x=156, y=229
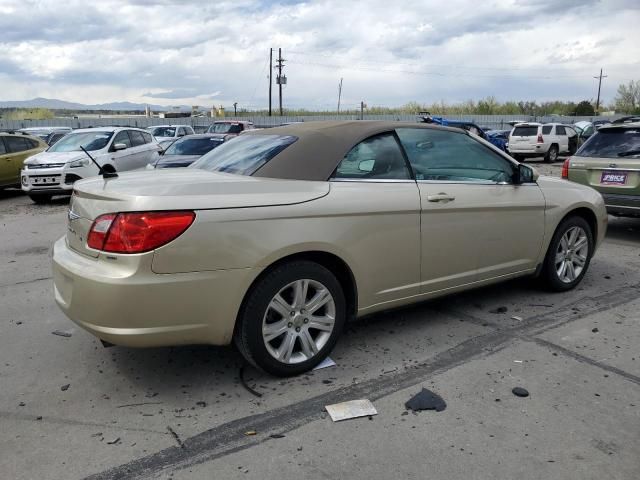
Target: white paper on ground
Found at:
x=351, y=409
x=327, y=362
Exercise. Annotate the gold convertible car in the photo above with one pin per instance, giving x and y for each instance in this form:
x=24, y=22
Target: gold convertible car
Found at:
x=276, y=238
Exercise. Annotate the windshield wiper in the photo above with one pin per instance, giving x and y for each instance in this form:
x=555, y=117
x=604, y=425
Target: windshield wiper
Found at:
x=629, y=153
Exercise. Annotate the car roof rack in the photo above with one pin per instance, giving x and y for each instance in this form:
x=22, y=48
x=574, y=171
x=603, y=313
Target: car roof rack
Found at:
x=627, y=119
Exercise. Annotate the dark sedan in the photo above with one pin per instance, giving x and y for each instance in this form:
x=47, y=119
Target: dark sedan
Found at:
x=186, y=150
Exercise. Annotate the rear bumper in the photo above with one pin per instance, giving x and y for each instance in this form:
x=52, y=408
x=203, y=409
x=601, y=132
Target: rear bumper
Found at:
x=622, y=204
x=130, y=305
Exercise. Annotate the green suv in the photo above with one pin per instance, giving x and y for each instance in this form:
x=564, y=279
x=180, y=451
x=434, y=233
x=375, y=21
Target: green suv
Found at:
x=610, y=162
x=15, y=149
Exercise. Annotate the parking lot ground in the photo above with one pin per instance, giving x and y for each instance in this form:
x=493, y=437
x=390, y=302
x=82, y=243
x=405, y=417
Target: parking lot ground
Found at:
x=183, y=412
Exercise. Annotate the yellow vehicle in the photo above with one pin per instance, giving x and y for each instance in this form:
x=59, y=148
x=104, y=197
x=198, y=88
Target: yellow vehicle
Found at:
x=14, y=150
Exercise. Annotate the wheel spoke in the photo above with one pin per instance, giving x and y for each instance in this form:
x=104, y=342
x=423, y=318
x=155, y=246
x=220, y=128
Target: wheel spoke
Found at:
x=309, y=347
x=573, y=233
x=280, y=305
x=300, y=291
x=571, y=273
x=559, y=257
x=562, y=270
x=324, y=324
x=579, y=260
x=582, y=241
x=320, y=299
x=564, y=243
x=271, y=331
x=286, y=349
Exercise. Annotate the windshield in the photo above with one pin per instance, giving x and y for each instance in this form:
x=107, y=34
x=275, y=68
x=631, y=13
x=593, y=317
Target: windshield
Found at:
x=245, y=154
x=609, y=142
x=89, y=140
x=193, y=146
x=163, y=131
x=225, y=128
x=526, y=131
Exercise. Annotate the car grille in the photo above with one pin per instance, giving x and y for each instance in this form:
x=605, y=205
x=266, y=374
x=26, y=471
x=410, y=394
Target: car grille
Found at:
x=33, y=166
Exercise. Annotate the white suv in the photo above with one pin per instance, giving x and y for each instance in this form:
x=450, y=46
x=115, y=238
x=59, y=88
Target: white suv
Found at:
x=537, y=140
x=167, y=134
x=54, y=171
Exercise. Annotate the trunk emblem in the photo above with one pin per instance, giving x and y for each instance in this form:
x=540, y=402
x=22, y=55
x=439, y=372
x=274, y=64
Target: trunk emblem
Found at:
x=71, y=215
x=613, y=165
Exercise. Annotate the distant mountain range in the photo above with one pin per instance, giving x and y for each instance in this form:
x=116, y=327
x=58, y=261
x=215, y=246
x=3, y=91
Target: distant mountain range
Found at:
x=55, y=104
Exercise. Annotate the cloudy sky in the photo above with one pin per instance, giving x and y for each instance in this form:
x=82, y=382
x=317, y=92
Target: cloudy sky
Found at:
x=206, y=52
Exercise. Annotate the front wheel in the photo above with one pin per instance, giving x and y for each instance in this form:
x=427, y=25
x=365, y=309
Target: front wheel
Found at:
x=40, y=199
x=569, y=255
x=291, y=318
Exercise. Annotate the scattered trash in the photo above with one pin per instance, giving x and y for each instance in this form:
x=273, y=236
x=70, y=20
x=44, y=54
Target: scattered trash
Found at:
x=390, y=371
x=244, y=383
x=516, y=317
x=299, y=449
x=201, y=404
x=351, y=409
x=327, y=382
x=115, y=441
x=39, y=417
x=18, y=322
x=426, y=400
x=61, y=333
x=175, y=436
x=595, y=330
x=540, y=305
x=21, y=404
x=276, y=435
x=499, y=310
x=517, y=361
x=607, y=277
x=327, y=362
x=520, y=392
x=138, y=404
x=64, y=388
x=250, y=433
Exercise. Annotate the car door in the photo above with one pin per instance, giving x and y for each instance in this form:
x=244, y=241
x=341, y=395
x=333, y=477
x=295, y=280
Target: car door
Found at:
x=142, y=154
x=562, y=139
x=5, y=163
x=476, y=224
x=123, y=159
x=16, y=151
x=378, y=201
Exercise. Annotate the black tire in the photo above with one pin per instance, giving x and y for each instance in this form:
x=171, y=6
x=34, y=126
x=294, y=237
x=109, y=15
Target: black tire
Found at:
x=248, y=336
x=549, y=276
x=518, y=158
x=40, y=198
x=552, y=154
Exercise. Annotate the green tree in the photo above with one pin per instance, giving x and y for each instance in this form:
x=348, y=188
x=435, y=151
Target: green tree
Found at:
x=584, y=108
x=627, y=99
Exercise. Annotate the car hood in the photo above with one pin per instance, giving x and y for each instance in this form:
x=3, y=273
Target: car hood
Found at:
x=192, y=189
x=45, y=158
x=167, y=161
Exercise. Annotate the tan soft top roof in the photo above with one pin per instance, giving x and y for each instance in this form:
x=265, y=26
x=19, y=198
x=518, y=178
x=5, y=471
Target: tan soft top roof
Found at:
x=322, y=145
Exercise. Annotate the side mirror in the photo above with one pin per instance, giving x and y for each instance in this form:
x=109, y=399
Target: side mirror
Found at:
x=526, y=174
x=366, y=165
x=119, y=146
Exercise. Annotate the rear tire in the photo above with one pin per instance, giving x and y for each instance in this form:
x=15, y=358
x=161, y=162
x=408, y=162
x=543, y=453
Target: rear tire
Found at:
x=518, y=158
x=552, y=154
x=40, y=199
x=569, y=255
x=281, y=329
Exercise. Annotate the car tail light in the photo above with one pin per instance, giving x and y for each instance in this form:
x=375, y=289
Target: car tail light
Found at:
x=540, y=139
x=565, y=169
x=137, y=232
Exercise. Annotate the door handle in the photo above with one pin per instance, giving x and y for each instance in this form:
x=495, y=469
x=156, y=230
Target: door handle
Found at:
x=441, y=197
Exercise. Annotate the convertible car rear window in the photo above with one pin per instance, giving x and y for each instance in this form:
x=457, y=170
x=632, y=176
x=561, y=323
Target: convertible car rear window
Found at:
x=245, y=154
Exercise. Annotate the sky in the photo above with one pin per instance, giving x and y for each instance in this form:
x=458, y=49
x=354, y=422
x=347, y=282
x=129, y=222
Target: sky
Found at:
x=388, y=53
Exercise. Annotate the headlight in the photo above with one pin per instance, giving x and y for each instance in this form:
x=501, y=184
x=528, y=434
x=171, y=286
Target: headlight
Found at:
x=79, y=163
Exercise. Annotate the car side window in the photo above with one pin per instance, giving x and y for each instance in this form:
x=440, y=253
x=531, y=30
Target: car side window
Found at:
x=546, y=129
x=3, y=150
x=189, y=131
x=122, y=137
x=136, y=138
x=147, y=137
x=560, y=130
x=440, y=155
x=16, y=144
x=377, y=157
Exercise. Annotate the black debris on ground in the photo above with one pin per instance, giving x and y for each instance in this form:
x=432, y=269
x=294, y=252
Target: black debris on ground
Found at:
x=201, y=404
x=520, y=392
x=595, y=330
x=276, y=435
x=60, y=333
x=64, y=388
x=426, y=400
x=245, y=385
x=499, y=310
x=115, y=441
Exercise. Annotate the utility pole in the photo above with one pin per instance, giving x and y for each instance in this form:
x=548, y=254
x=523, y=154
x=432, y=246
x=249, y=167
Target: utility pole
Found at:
x=235, y=109
x=270, y=76
x=339, y=95
x=280, y=79
x=599, y=77
x=362, y=107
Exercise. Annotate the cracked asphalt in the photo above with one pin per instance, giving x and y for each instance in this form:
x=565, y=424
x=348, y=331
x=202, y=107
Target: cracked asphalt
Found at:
x=183, y=412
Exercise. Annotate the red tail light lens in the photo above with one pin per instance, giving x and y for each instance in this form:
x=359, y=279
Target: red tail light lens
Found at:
x=540, y=139
x=565, y=169
x=137, y=232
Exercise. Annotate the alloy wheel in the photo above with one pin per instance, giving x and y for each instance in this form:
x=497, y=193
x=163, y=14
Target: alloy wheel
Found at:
x=298, y=321
x=572, y=254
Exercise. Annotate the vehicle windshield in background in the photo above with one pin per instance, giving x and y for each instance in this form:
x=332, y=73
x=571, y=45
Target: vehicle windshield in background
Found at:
x=525, y=131
x=193, y=146
x=612, y=143
x=89, y=140
x=225, y=128
x=244, y=154
x=163, y=132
